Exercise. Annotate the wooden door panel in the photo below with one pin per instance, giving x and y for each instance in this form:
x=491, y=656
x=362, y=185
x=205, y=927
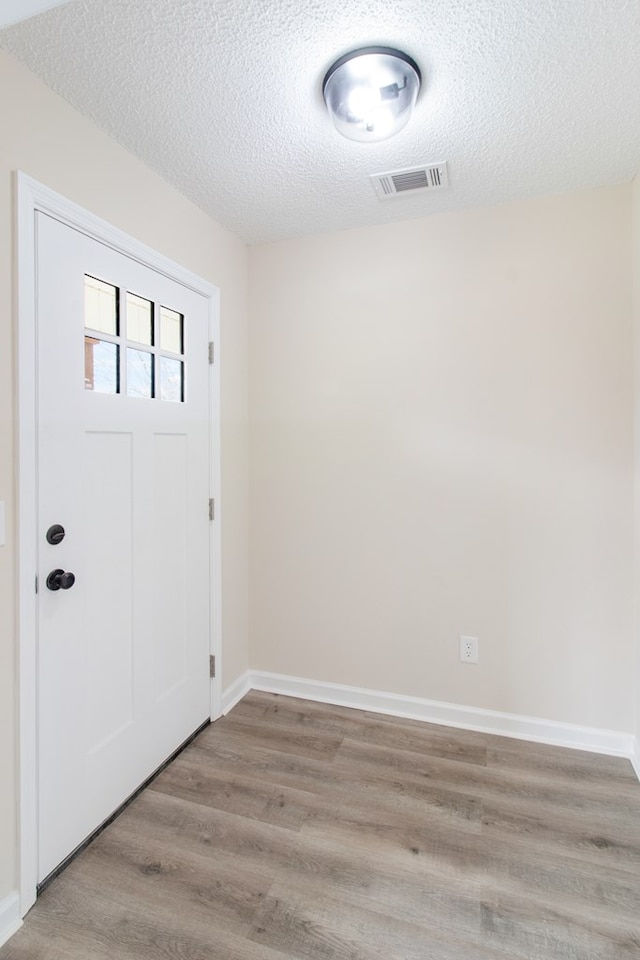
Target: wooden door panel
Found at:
x=123, y=654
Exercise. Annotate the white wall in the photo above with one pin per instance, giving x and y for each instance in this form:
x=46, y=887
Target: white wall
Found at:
x=441, y=437
x=635, y=200
x=44, y=137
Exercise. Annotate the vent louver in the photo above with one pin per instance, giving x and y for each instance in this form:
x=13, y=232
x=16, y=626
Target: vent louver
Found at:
x=398, y=182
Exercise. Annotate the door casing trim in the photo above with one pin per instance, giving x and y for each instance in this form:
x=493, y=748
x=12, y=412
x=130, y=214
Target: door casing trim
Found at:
x=32, y=197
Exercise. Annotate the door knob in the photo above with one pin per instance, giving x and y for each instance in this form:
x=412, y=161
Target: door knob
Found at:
x=59, y=580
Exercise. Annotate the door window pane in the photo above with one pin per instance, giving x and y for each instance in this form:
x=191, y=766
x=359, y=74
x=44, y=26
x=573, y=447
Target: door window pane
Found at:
x=100, y=366
x=171, y=377
x=139, y=373
x=170, y=330
x=100, y=306
x=139, y=319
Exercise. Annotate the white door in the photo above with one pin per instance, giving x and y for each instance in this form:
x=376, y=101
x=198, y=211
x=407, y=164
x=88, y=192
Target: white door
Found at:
x=123, y=467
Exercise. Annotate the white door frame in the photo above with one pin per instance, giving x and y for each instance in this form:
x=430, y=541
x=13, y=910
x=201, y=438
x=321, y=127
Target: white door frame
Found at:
x=32, y=197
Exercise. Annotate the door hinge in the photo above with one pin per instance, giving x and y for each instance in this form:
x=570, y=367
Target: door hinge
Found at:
x=212, y=666
x=36, y=582
x=211, y=352
x=212, y=509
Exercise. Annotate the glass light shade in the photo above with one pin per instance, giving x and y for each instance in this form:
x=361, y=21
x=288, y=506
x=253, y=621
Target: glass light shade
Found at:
x=370, y=93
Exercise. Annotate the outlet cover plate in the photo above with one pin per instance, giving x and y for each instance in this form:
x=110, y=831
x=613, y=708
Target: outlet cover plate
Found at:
x=468, y=649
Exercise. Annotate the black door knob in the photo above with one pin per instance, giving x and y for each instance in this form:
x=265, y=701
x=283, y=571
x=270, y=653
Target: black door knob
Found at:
x=55, y=534
x=59, y=580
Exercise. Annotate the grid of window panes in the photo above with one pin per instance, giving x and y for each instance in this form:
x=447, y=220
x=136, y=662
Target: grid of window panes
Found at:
x=132, y=345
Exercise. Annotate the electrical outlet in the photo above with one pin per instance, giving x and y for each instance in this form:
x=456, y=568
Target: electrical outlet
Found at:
x=468, y=649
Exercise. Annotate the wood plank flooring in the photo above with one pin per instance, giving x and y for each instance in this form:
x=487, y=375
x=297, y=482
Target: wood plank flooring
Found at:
x=291, y=830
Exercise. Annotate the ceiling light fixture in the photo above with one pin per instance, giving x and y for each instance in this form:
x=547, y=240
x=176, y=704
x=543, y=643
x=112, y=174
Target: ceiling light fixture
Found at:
x=370, y=93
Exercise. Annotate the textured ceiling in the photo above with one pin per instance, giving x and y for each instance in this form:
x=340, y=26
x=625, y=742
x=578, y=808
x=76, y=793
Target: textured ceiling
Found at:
x=223, y=98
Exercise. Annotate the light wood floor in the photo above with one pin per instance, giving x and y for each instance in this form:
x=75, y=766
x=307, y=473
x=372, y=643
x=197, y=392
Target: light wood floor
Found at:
x=297, y=830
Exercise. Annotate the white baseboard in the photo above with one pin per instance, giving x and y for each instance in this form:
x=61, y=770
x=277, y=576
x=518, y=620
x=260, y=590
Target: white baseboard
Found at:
x=611, y=742
x=235, y=691
x=10, y=920
x=635, y=759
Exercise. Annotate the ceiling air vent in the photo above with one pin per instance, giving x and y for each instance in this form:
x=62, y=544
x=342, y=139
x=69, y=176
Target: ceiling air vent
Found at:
x=399, y=182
